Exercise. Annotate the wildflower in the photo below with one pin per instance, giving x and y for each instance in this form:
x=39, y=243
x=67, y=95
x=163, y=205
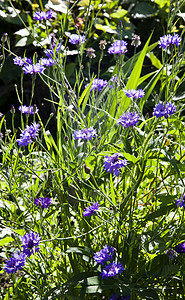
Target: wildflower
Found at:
x=19, y=61
x=117, y=297
x=33, y=69
x=54, y=49
x=112, y=270
x=28, y=109
x=30, y=243
x=76, y=39
x=85, y=134
x=44, y=202
x=112, y=163
x=16, y=262
x=161, y=110
x=181, y=201
x=136, y=40
x=129, y=119
x=98, y=84
x=90, y=53
x=102, y=44
x=118, y=47
x=104, y=255
x=169, y=40
x=171, y=253
x=180, y=248
x=47, y=62
x=28, y=134
x=91, y=209
x=135, y=94
x=43, y=15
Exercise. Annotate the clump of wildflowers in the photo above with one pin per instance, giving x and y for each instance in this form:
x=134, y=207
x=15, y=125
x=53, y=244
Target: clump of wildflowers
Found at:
x=28, y=109
x=85, y=134
x=169, y=40
x=104, y=255
x=112, y=270
x=27, y=135
x=135, y=94
x=30, y=243
x=129, y=119
x=91, y=209
x=181, y=201
x=44, y=202
x=180, y=248
x=33, y=69
x=43, y=15
x=97, y=84
x=76, y=39
x=117, y=297
x=16, y=262
x=161, y=110
x=113, y=164
x=118, y=47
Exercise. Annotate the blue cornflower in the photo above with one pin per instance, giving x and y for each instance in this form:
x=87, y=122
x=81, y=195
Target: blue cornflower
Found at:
x=117, y=297
x=19, y=61
x=54, y=48
x=181, y=201
x=112, y=163
x=91, y=209
x=33, y=69
x=43, y=15
x=129, y=119
x=169, y=40
x=85, y=134
x=118, y=47
x=47, y=62
x=112, y=270
x=76, y=39
x=16, y=262
x=161, y=110
x=104, y=254
x=30, y=243
x=44, y=202
x=135, y=94
x=28, y=134
x=28, y=109
x=180, y=248
x=97, y=84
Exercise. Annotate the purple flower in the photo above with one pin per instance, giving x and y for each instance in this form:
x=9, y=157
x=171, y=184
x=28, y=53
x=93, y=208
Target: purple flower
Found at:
x=16, y=262
x=30, y=243
x=28, y=134
x=19, y=61
x=91, y=209
x=48, y=62
x=54, y=49
x=129, y=119
x=181, y=201
x=169, y=40
x=118, y=47
x=33, y=69
x=171, y=253
x=161, y=110
x=180, y=248
x=44, y=202
x=76, y=39
x=112, y=270
x=112, y=163
x=117, y=297
x=104, y=254
x=85, y=134
x=43, y=15
x=97, y=84
x=135, y=94
x=28, y=109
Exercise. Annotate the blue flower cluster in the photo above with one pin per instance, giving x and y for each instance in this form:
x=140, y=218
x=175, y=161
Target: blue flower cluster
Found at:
x=169, y=40
x=43, y=202
x=88, y=211
x=27, y=135
x=113, y=164
x=135, y=94
x=129, y=119
x=180, y=248
x=104, y=255
x=30, y=244
x=84, y=134
x=118, y=47
x=181, y=201
x=112, y=270
x=28, y=109
x=161, y=110
x=97, y=84
x=117, y=297
x=43, y=15
x=76, y=39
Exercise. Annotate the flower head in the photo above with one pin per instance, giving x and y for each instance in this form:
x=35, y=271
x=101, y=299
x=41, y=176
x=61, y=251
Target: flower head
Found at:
x=169, y=40
x=104, y=254
x=171, y=253
x=136, y=40
x=91, y=209
x=76, y=39
x=33, y=69
x=30, y=243
x=43, y=15
x=113, y=164
x=44, y=202
x=118, y=47
x=112, y=270
x=85, y=134
x=161, y=110
x=180, y=248
x=129, y=119
x=97, y=84
x=28, y=109
x=135, y=94
x=181, y=201
x=47, y=62
x=19, y=61
x=27, y=135
x=117, y=297
x=16, y=262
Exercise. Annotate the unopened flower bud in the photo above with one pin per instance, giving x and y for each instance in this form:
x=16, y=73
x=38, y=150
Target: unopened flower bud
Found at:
x=86, y=169
x=90, y=53
x=66, y=138
x=136, y=40
x=102, y=44
x=12, y=109
x=4, y=37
